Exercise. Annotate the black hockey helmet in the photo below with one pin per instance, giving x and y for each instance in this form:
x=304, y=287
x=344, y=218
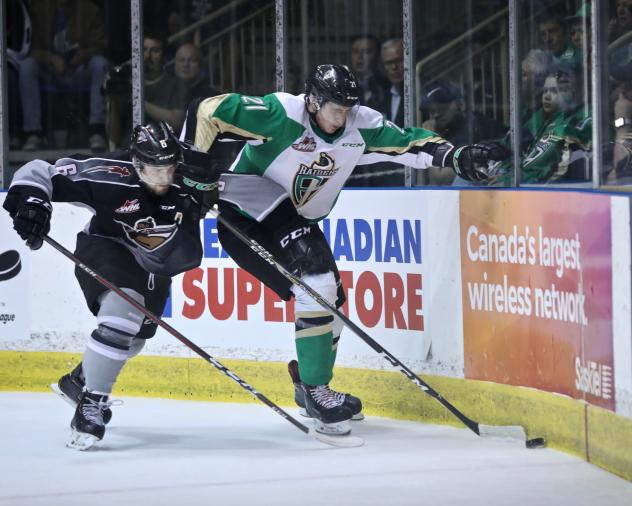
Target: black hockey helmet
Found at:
x=332, y=83
x=155, y=144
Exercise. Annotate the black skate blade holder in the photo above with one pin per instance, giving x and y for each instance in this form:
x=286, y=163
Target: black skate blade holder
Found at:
x=514, y=433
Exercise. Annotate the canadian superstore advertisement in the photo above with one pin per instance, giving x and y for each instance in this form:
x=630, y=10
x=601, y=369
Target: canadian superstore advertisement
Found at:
x=398, y=288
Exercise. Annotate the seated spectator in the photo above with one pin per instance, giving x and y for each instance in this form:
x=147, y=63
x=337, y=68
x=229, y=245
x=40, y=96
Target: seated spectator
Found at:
x=66, y=55
x=534, y=69
x=619, y=171
x=558, y=135
x=579, y=30
x=622, y=22
x=188, y=68
x=443, y=104
x=365, y=62
x=555, y=38
x=387, y=174
x=165, y=95
x=393, y=62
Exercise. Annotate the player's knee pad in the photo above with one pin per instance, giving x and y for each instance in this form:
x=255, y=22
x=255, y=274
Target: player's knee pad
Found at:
x=323, y=284
x=119, y=322
x=116, y=313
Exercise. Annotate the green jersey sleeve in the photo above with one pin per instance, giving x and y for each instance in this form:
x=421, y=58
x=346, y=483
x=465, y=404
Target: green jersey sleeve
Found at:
x=385, y=141
x=238, y=117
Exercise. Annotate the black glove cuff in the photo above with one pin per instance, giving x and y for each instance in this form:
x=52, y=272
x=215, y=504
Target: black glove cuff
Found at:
x=26, y=191
x=443, y=156
x=17, y=194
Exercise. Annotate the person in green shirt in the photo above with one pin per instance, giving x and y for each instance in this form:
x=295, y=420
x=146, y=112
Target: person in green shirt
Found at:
x=557, y=137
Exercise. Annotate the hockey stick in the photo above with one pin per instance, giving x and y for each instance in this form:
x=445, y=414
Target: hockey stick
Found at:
x=339, y=441
x=498, y=431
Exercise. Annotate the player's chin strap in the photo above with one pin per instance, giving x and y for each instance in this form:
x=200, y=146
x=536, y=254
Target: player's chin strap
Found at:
x=339, y=441
x=515, y=432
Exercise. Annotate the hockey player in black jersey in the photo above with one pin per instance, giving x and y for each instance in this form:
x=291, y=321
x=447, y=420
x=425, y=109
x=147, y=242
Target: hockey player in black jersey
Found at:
x=145, y=229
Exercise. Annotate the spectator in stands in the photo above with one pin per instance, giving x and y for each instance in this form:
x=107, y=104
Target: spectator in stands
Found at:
x=443, y=105
x=622, y=22
x=579, y=29
x=188, y=67
x=387, y=174
x=393, y=63
x=559, y=134
x=365, y=62
x=165, y=95
x=555, y=37
x=67, y=49
x=619, y=171
x=534, y=69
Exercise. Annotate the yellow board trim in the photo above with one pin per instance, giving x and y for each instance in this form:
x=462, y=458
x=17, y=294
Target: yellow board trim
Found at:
x=594, y=434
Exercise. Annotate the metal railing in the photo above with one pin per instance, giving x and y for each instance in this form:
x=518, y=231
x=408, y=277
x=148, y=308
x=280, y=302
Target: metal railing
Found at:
x=488, y=91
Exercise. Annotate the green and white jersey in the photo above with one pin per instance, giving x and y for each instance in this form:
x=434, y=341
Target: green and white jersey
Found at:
x=286, y=146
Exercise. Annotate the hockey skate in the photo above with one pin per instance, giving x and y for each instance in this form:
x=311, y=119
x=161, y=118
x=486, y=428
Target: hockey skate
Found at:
x=70, y=387
x=349, y=401
x=88, y=425
x=326, y=409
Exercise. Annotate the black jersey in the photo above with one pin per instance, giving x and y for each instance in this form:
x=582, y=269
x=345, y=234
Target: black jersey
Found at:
x=162, y=232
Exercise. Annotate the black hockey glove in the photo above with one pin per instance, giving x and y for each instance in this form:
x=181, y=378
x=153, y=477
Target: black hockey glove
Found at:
x=471, y=162
x=201, y=184
x=31, y=211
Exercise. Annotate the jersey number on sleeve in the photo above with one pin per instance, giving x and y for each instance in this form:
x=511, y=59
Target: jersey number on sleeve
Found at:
x=254, y=103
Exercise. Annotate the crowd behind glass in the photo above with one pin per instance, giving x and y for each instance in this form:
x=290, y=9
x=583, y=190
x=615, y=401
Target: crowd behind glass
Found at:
x=69, y=83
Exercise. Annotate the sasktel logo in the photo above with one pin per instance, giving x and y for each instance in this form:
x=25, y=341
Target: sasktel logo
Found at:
x=593, y=378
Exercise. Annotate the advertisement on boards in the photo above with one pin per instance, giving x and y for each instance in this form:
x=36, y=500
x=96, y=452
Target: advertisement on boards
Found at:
x=389, y=247
x=537, y=291
x=14, y=282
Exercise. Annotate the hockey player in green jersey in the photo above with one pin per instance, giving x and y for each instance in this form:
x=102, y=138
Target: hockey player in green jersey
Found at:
x=305, y=147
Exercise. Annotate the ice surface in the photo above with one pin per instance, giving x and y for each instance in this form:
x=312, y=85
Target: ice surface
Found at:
x=162, y=452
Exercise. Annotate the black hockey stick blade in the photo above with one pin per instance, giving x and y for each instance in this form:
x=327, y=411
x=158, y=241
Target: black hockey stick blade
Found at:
x=338, y=441
x=504, y=432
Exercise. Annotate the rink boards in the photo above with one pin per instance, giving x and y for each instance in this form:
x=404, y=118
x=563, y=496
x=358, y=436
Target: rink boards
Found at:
x=480, y=291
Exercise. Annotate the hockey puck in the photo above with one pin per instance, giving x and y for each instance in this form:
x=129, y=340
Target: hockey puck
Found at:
x=536, y=442
x=10, y=264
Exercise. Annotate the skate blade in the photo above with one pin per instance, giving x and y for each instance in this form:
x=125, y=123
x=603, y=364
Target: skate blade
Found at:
x=356, y=418
x=337, y=441
x=55, y=388
x=333, y=429
x=81, y=441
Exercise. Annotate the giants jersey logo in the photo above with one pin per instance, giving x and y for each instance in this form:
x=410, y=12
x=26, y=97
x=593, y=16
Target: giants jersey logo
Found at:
x=149, y=236
x=114, y=169
x=309, y=180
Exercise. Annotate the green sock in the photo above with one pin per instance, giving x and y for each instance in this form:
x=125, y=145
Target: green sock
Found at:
x=315, y=362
